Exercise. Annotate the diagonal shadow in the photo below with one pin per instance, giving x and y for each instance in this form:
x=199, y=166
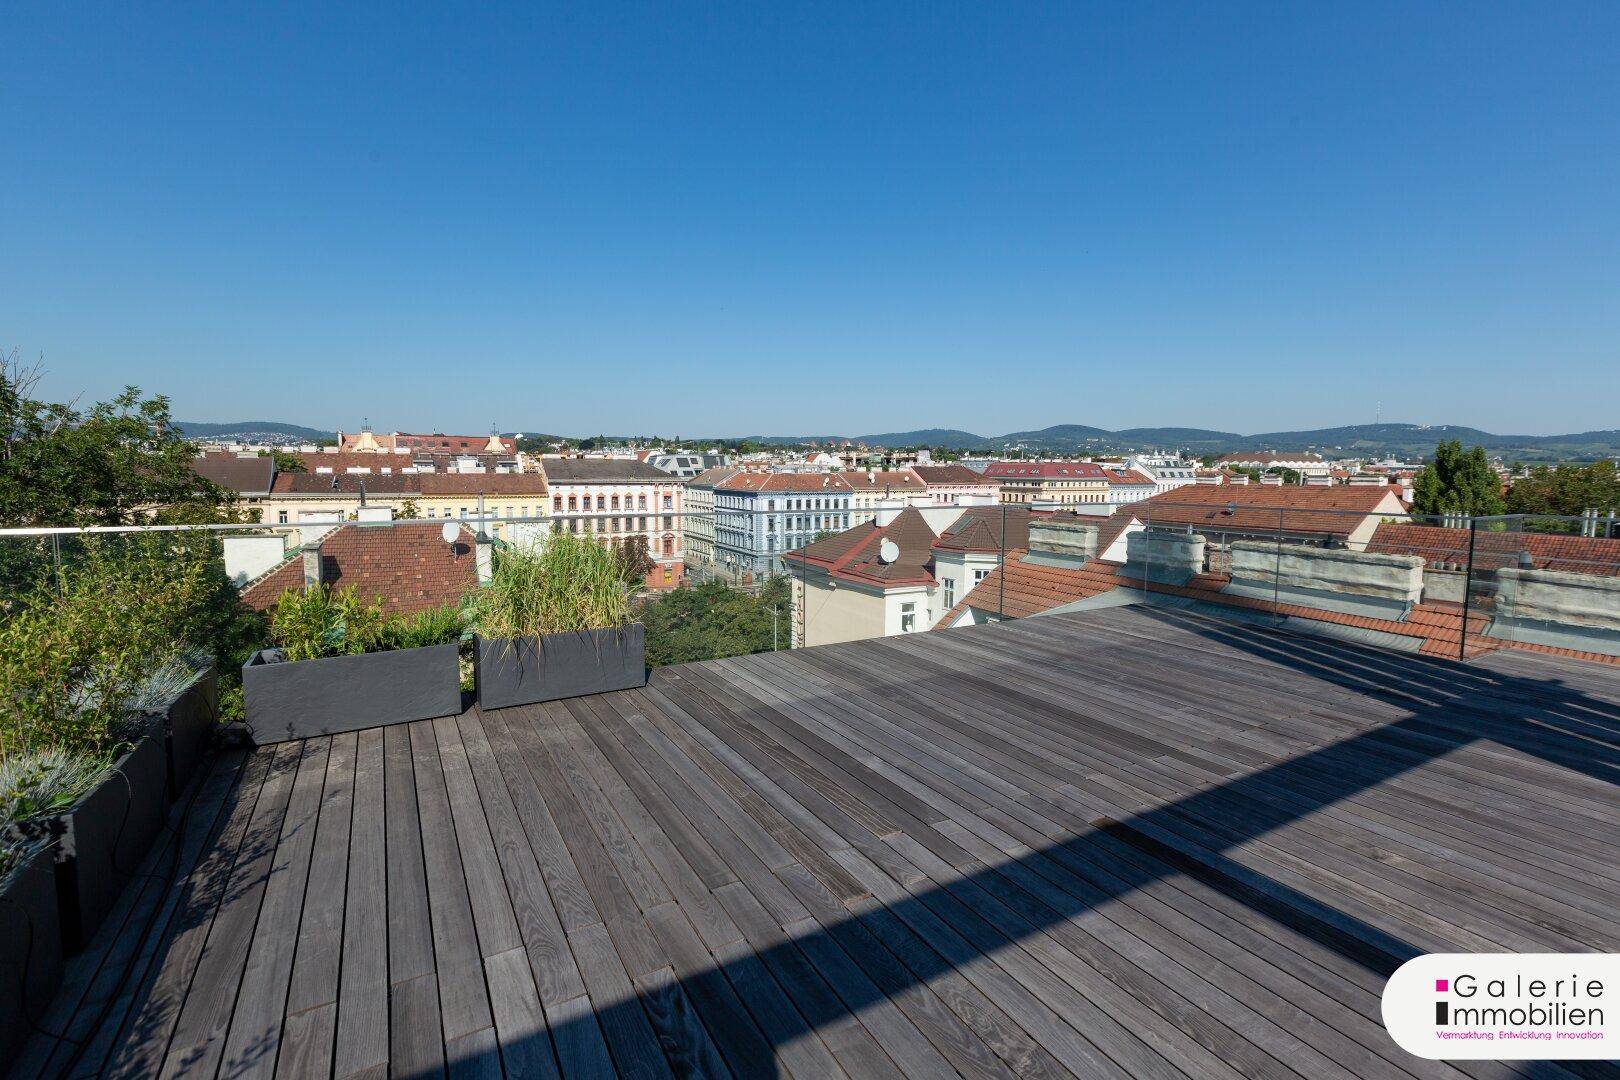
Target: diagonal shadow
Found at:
x=856, y=959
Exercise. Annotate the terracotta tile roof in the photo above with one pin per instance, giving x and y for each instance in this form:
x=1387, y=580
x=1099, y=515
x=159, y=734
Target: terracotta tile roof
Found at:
x=1262, y=509
x=790, y=482
x=601, y=471
x=1493, y=550
x=1031, y=588
x=948, y=475
x=853, y=553
x=408, y=567
x=979, y=528
x=1128, y=478
x=892, y=480
x=410, y=484
x=243, y=475
x=1044, y=470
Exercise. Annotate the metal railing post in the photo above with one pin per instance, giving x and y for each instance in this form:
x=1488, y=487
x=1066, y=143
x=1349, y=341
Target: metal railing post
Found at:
x=1001, y=570
x=1468, y=589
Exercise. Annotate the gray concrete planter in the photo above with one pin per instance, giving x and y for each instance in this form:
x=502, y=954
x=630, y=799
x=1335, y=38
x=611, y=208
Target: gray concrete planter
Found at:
x=30, y=950
x=99, y=843
x=522, y=671
x=189, y=721
x=298, y=699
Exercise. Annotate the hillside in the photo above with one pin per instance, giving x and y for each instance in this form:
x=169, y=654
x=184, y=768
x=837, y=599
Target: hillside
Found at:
x=267, y=431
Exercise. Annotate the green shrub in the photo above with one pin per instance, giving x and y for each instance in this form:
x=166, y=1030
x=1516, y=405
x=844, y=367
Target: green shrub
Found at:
x=39, y=782
x=564, y=584
x=434, y=626
x=310, y=624
x=325, y=622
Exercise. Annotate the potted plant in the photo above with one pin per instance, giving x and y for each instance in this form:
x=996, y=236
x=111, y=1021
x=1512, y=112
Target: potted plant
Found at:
x=340, y=665
x=30, y=941
x=83, y=763
x=555, y=622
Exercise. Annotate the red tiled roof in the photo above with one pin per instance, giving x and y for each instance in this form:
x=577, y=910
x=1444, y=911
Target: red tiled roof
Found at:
x=1128, y=478
x=409, y=568
x=979, y=528
x=1258, y=508
x=892, y=480
x=853, y=553
x=1031, y=588
x=1494, y=550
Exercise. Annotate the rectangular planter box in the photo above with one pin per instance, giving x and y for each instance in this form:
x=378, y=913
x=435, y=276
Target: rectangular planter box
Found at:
x=522, y=671
x=189, y=720
x=302, y=698
x=30, y=950
x=98, y=845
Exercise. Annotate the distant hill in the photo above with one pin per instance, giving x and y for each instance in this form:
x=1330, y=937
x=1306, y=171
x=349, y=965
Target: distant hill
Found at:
x=1359, y=440
x=268, y=431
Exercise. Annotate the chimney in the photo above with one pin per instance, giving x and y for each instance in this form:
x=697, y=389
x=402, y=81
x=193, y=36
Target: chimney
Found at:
x=484, y=557
x=312, y=566
x=1163, y=556
x=1067, y=542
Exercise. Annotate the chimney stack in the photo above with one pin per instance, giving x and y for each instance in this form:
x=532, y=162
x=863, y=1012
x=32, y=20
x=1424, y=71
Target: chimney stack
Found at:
x=312, y=566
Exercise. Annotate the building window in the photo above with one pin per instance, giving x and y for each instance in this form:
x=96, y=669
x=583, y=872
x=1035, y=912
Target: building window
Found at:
x=669, y=502
x=950, y=592
x=641, y=502
x=573, y=502
x=980, y=575
x=615, y=502
x=601, y=502
x=908, y=618
x=556, y=504
x=281, y=516
x=669, y=546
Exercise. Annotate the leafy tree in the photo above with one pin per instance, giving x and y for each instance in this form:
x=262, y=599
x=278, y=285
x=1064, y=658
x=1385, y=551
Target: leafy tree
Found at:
x=112, y=464
x=1289, y=476
x=635, y=563
x=1457, y=482
x=290, y=463
x=1566, y=489
x=409, y=511
x=712, y=620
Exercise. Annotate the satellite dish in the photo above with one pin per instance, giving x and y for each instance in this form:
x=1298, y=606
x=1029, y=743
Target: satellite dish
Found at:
x=450, y=531
x=888, y=551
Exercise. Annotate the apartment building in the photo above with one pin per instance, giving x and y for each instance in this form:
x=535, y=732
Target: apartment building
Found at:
x=1167, y=471
x=957, y=485
x=1126, y=485
x=699, y=522
x=872, y=488
x=759, y=516
x=615, y=498
x=684, y=464
x=345, y=496
x=868, y=581
x=1049, y=483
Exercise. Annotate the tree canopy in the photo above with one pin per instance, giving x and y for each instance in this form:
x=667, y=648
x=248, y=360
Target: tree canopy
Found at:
x=712, y=620
x=111, y=464
x=1457, y=482
x=1566, y=489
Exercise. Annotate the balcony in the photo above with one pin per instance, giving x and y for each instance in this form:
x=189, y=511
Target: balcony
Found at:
x=1133, y=841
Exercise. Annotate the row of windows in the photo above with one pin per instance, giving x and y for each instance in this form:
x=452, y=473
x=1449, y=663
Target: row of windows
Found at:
x=608, y=502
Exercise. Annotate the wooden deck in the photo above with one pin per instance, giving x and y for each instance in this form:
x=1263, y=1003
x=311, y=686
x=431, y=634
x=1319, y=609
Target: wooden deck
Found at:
x=1119, y=843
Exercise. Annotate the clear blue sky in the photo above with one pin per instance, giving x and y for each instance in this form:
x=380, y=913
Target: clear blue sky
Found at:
x=792, y=218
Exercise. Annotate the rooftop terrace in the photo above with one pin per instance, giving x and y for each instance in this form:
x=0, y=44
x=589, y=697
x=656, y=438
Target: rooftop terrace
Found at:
x=1129, y=841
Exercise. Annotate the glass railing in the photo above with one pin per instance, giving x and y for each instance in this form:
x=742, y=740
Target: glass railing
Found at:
x=708, y=584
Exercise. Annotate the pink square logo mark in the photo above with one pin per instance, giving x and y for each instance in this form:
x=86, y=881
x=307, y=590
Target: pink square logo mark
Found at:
x=1442, y=985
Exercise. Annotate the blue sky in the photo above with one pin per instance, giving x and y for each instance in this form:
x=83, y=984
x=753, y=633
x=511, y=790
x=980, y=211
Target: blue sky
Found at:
x=791, y=218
